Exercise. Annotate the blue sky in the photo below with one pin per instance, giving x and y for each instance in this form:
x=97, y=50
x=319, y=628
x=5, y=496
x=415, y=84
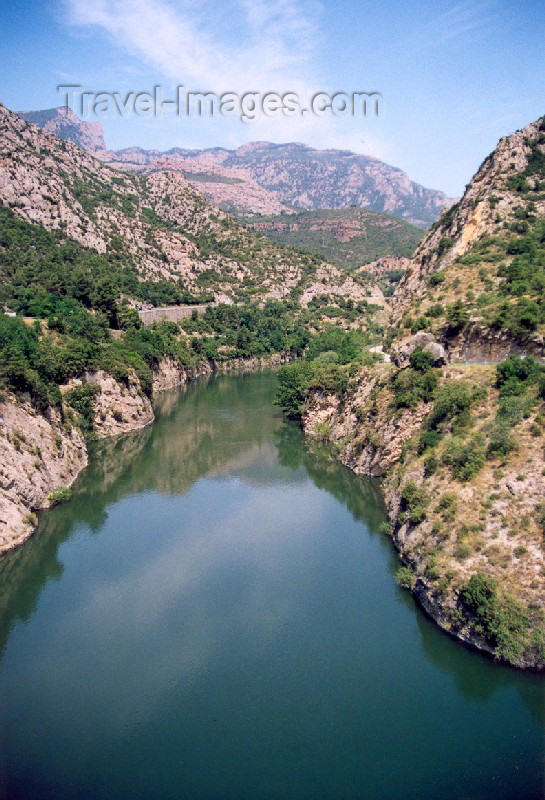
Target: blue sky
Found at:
x=455, y=76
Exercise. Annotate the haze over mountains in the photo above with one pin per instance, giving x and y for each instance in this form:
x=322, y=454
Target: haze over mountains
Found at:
x=266, y=178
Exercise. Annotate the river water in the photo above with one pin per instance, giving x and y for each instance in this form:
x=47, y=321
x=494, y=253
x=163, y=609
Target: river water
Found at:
x=213, y=616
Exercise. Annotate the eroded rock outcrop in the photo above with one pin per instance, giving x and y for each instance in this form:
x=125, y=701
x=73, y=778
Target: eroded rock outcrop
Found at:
x=38, y=455
x=44, y=452
x=488, y=525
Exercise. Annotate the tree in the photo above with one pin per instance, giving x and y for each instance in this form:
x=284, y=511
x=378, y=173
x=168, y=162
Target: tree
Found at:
x=293, y=380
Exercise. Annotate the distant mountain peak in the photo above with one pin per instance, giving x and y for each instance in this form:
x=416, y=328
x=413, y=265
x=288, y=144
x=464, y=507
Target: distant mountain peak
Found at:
x=65, y=124
x=266, y=177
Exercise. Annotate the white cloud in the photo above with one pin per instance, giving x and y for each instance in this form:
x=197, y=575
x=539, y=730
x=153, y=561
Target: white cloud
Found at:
x=236, y=46
x=210, y=46
x=461, y=19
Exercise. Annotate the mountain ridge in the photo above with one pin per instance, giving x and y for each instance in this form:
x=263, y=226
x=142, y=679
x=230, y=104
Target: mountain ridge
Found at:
x=292, y=175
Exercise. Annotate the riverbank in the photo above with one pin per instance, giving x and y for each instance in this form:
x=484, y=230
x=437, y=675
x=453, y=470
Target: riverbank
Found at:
x=447, y=530
x=217, y=592
x=43, y=453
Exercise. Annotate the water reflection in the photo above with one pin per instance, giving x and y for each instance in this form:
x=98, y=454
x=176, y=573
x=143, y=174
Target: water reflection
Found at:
x=216, y=534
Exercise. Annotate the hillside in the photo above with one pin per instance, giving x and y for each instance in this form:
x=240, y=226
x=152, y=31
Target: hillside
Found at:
x=158, y=225
x=348, y=237
x=459, y=447
x=477, y=279
x=266, y=178
x=81, y=245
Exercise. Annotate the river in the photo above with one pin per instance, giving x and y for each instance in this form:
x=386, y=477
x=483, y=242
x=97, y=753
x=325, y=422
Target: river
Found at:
x=213, y=616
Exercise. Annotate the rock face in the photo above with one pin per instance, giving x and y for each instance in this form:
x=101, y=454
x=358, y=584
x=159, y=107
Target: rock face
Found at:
x=118, y=408
x=267, y=178
x=37, y=455
x=497, y=511
x=384, y=265
x=460, y=258
x=40, y=453
x=158, y=222
x=62, y=122
x=401, y=354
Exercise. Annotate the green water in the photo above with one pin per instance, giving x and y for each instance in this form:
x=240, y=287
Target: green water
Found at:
x=213, y=616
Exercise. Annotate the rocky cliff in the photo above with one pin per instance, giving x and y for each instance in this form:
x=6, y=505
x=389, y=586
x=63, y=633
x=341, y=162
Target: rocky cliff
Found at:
x=42, y=453
x=459, y=447
x=157, y=223
x=478, y=274
x=447, y=530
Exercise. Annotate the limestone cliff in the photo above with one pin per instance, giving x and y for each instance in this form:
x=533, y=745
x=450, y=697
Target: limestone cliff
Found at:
x=477, y=275
x=38, y=454
x=484, y=525
x=42, y=453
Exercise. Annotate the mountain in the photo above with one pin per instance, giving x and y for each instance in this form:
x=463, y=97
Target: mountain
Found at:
x=62, y=122
x=477, y=279
x=156, y=224
x=349, y=237
x=307, y=178
x=267, y=178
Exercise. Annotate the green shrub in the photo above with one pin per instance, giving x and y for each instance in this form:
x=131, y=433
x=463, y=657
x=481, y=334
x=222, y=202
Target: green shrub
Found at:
x=292, y=387
x=58, y=496
x=385, y=528
x=346, y=344
x=330, y=378
x=457, y=318
x=411, y=387
x=447, y=506
x=405, y=577
x=430, y=466
x=436, y=278
x=428, y=439
x=415, y=500
x=465, y=457
x=501, y=442
x=82, y=400
x=420, y=360
x=501, y=618
x=516, y=374
x=452, y=399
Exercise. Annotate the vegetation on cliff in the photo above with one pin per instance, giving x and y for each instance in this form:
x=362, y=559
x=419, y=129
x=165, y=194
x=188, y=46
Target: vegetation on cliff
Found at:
x=348, y=237
x=483, y=263
x=460, y=449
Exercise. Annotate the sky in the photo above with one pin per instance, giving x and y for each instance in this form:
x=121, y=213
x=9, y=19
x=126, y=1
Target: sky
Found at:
x=454, y=76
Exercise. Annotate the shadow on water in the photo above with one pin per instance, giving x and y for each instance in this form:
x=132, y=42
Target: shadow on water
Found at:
x=221, y=427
